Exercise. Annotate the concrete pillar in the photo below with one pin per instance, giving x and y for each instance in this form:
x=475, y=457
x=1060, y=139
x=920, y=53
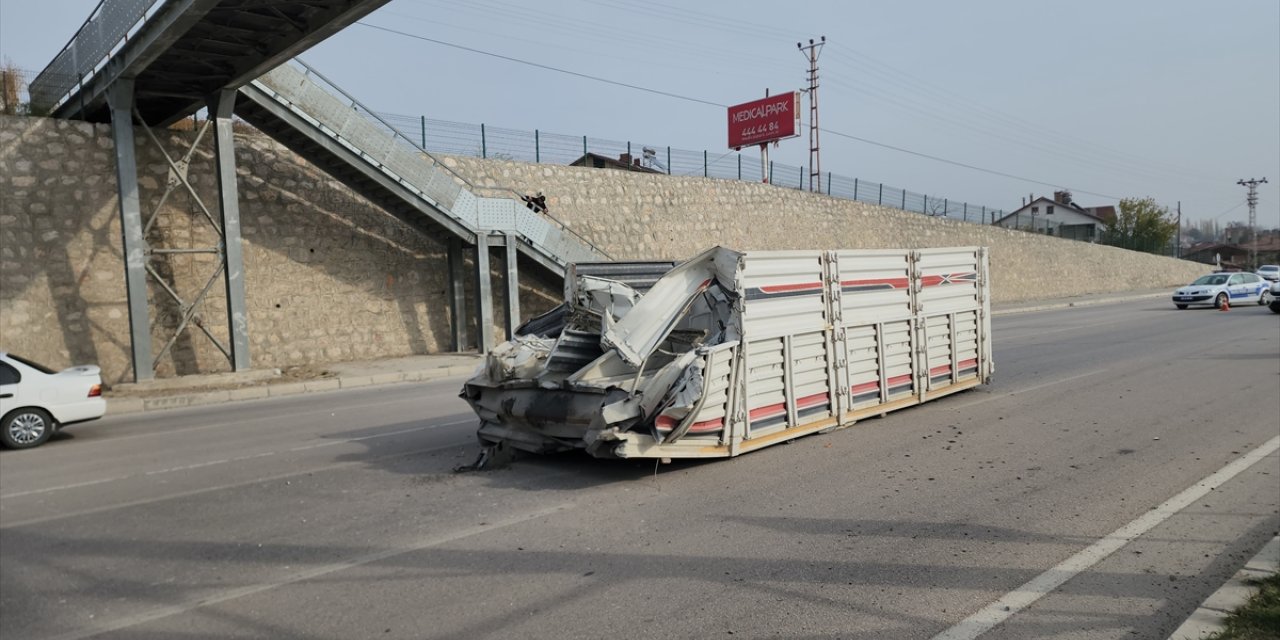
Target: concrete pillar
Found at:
x=220, y=108
x=513, y=287
x=484, y=295
x=120, y=102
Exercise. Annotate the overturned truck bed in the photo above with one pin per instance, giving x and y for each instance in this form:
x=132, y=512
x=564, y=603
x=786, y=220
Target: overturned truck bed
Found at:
x=733, y=351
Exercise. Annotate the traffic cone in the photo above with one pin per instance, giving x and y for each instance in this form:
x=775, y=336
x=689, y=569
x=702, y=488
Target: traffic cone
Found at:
x=1226, y=304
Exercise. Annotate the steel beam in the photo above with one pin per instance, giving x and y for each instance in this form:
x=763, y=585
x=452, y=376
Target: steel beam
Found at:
x=484, y=295
x=220, y=109
x=120, y=100
x=457, y=296
x=513, y=286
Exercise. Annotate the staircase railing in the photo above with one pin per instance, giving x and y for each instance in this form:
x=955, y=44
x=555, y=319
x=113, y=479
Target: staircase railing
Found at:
x=339, y=114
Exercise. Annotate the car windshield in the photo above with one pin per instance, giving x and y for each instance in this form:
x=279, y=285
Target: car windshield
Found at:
x=1269, y=267
x=1216, y=278
x=34, y=365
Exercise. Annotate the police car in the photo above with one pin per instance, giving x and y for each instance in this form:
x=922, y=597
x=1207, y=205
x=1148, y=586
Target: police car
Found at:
x=1217, y=289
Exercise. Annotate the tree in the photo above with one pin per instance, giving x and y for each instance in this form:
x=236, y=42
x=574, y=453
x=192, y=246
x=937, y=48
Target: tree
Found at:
x=1141, y=225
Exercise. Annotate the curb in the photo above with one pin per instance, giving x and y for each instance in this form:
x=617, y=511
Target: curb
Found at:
x=1209, y=616
x=129, y=405
x=1079, y=303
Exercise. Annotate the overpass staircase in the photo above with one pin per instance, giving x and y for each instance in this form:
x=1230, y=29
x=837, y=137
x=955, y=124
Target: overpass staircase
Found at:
x=310, y=115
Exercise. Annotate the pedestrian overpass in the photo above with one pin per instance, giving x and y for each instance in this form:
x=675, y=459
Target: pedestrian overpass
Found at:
x=146, y=64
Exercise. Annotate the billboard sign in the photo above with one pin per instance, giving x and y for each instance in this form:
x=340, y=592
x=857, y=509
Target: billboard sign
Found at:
x=764, y=120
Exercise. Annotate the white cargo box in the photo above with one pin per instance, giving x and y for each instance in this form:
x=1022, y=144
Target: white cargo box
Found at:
x=733, y=351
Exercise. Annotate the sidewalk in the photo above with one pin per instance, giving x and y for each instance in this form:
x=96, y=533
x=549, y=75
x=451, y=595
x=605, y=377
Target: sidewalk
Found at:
x=1209, y=617
x=218, y=388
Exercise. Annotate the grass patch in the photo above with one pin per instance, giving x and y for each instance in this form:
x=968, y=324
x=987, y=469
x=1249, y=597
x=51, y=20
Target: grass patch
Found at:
x=1258, y=619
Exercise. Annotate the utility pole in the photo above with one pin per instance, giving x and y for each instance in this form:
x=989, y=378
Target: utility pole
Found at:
x=1177, y=247
x=1252, y=199
x=815, y=166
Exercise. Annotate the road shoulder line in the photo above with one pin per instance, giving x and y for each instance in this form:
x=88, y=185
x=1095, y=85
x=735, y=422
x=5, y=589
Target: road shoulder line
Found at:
x=1011, y=603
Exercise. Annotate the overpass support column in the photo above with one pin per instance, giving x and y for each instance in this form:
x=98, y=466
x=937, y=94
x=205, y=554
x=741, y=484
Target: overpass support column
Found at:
x=513, y=287
x=457, y=296
x=220, y=108
x=484, y=295
x=120, y=102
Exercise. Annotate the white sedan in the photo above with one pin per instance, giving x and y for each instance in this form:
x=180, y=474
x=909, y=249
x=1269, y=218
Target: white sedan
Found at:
x=1220, y=289
x=36, y=401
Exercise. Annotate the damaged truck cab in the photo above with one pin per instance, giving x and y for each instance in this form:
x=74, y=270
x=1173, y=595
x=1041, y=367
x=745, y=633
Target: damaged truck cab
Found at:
x=732, y=351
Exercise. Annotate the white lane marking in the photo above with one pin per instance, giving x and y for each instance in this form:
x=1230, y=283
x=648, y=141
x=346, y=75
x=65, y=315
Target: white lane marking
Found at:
x=1008, y=394
x=358, y=561
x=1022, y=597
x=195, y=492
x=210, y=463
x=86, y=483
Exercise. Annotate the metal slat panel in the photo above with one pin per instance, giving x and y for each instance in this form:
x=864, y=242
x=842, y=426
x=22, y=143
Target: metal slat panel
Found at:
x=948, y=280
x=532, y=226
x=874, y=286
x=784, y=292
x=442, y=188
x=467, y=209
x=497, y=214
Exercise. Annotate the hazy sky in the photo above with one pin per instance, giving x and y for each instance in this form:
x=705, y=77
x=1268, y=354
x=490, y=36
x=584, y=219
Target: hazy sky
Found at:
x=1171, y=99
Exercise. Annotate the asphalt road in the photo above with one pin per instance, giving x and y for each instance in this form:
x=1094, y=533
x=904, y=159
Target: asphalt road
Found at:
x=336, y=515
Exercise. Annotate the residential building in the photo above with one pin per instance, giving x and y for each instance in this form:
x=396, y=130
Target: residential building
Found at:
x=1059, y=216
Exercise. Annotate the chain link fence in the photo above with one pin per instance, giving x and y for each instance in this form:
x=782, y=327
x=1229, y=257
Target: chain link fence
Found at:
x=484, y=141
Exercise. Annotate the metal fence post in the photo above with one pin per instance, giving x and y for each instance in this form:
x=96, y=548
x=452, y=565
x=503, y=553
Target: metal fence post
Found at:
x=855, y=187
x=946, y=207
x=424, y=133
x=828, y=183
x=802, y=179
x=739, y=166
x=668, y=160
x=704, y=164
x=880, y=198
x=966, y=212
x=484, y=153
x=584, y=145
x=984, y=215
x=537, y=146
x=904, y=199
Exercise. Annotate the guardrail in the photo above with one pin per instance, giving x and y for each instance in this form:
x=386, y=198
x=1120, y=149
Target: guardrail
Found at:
x=107, y=28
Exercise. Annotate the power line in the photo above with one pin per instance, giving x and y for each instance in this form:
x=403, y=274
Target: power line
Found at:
x=545, y=66
x=724, y=106
x=965, y=165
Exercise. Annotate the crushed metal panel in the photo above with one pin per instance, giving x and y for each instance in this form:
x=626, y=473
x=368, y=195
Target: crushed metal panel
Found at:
x=636, y=335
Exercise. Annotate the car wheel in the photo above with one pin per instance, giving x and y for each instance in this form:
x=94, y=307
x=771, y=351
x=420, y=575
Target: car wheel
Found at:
x=1262, y=298
x=26, y=428
x=1220, y=302
x=1180, y=306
